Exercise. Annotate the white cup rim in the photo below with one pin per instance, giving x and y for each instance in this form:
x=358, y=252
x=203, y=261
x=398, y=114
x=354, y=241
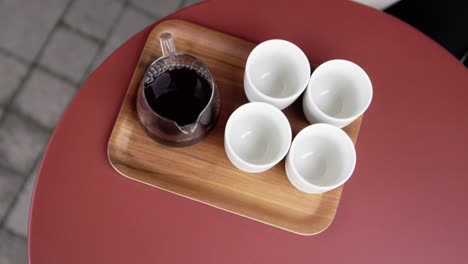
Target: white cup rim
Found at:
x=336, y=119
x=272, y=110
x=348, y=142
x=268, y=97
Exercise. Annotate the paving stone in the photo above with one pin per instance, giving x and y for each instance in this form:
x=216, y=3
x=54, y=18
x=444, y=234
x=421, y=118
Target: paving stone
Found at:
x=10, y=184
x=17, y=220
x=69, y=54
x=13, y=249
x=44, y=98
x=11, y=73
x=158, y=8
x=21, y=142
x=94, y=17
x=129, y=24
x=190, y=2
x=25, y=24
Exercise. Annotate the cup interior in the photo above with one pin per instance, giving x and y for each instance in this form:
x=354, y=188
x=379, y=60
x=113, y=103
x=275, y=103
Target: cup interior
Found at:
x=258, y=134
x=278, y=69
x=340, y=89
x=323, y=156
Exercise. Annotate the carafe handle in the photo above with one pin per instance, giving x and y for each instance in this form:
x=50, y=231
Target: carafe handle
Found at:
x=167, y=44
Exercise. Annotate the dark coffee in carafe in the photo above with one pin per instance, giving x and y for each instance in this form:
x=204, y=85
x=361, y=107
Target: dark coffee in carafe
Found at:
x=178, y=94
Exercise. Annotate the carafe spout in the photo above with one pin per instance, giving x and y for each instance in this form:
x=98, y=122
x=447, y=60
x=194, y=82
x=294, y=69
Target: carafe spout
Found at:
x=188, y=129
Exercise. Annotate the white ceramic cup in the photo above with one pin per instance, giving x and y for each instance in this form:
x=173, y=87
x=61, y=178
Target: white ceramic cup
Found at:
x=322, y=157
x=257, y=136
x=276, y=72
x=339, y=91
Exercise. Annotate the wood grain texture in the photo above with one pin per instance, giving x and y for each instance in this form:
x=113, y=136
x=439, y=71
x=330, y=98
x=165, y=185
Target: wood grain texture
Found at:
x=202, y=172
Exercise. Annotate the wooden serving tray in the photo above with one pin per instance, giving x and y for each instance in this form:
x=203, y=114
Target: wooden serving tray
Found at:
x=202, y=172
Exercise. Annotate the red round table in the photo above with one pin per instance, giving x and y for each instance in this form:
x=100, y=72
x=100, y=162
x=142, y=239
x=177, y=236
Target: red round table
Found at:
x=405, y=203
